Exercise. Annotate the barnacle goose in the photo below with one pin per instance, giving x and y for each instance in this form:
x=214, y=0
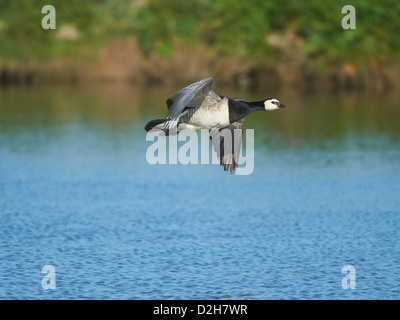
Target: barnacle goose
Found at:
x=197, y=107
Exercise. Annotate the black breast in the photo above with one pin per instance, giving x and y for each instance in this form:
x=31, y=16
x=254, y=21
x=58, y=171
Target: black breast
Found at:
x=238, y=109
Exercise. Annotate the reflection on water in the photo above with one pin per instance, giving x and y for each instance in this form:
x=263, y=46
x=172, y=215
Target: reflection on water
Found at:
x=77, y=193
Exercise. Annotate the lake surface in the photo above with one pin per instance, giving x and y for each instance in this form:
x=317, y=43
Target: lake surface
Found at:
x=77, y=193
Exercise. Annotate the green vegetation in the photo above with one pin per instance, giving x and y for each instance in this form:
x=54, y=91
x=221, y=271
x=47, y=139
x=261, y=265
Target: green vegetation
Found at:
x=226, y=27
x=243, y=26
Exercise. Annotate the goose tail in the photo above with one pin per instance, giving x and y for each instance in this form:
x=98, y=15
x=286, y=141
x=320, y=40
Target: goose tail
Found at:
x=154, y=123
x=161, y=125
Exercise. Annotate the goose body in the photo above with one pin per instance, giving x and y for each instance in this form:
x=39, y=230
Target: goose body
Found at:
x=213, y=116
x=197, y=107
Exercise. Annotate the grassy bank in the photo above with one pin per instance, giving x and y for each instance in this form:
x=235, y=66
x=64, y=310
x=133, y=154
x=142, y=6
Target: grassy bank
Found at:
x=244, y=43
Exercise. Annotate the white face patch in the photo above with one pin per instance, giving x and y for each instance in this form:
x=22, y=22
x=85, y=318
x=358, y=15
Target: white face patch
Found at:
x=271, y=104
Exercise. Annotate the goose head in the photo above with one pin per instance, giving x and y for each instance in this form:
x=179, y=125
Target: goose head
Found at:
x=272, y=104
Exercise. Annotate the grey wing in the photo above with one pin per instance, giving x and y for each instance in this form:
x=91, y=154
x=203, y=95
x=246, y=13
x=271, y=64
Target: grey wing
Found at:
x=227, y=143
x=192, y=96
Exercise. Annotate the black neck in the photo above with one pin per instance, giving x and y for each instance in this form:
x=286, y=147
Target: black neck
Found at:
x=238, y=109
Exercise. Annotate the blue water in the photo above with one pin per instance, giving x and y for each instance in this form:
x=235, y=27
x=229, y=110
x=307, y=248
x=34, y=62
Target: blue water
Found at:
x=77, y=193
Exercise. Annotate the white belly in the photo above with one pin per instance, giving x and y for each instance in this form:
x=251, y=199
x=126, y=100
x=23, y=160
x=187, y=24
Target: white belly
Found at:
x=211, y=117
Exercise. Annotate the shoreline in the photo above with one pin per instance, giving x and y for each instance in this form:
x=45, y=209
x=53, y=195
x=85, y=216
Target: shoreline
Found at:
x=122, y=61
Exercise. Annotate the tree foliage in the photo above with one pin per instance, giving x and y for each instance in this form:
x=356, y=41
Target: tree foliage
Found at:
x=238, y=27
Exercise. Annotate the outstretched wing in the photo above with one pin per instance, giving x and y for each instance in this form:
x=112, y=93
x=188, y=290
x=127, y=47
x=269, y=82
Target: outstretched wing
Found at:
x=192, y=96
x=227, y=142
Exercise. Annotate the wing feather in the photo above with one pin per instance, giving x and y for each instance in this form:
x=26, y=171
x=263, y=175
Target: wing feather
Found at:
x=227, y=143
x=192, y=96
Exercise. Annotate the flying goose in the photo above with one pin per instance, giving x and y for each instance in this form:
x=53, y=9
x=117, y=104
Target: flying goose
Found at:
x=197, y=107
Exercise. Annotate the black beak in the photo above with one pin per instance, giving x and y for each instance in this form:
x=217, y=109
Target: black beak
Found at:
x=281, y=105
